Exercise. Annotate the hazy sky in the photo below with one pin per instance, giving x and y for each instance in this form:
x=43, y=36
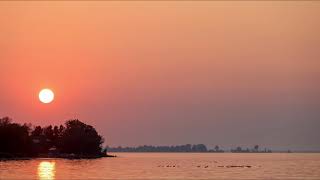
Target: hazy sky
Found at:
x=163, y=73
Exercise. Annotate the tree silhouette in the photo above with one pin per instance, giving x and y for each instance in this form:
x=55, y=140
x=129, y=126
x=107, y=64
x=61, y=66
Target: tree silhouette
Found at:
x=14, y=138
x=216, y=148
x=199, y=148
x=76, y=138
x=80, y=138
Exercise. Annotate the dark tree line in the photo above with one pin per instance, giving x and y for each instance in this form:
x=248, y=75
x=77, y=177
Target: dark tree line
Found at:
x=75, y=137
x=255, y=149
x=187, y=148
x=145, y=148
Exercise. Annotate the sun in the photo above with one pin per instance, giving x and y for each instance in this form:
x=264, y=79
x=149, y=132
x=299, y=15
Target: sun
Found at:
x=46, y=96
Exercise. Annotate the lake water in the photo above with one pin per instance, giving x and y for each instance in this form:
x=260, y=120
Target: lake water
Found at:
x=169, y=166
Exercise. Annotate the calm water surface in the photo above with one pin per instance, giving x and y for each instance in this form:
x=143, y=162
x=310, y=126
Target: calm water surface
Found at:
x=169, y=166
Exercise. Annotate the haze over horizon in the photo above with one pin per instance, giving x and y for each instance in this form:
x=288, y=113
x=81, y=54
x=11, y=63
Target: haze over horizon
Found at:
x=166, y=73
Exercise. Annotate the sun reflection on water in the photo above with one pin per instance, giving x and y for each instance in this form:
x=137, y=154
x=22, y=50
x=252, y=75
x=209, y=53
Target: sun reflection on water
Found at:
x=46, y=170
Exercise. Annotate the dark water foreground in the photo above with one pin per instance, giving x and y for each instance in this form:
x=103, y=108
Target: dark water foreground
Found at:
x=169, y=166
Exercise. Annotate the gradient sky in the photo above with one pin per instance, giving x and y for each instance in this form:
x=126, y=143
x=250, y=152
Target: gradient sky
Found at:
x=164, y=73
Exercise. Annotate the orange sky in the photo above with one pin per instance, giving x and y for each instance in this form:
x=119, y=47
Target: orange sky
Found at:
x=228, y=73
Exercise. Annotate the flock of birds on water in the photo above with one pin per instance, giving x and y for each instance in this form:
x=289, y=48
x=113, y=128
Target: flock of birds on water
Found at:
x=207, y=166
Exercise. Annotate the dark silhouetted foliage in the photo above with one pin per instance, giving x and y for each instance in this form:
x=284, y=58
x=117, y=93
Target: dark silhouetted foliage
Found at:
x=255, y=149
x=75, y=138
x=14, y=138
x=179, y=148
x=80, y=138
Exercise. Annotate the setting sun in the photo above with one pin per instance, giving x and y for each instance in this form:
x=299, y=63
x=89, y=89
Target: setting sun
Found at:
x=46, y=96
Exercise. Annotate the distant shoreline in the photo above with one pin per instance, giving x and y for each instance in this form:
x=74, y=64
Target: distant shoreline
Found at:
x=226, y=152
x=201, y=148
x=73, y=156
